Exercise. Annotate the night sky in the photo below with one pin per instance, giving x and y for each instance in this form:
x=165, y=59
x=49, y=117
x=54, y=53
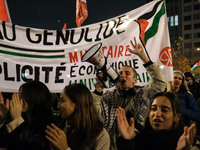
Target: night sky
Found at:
x=52, y=14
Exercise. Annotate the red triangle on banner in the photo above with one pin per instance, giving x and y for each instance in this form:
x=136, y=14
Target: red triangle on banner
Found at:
x=4, y=14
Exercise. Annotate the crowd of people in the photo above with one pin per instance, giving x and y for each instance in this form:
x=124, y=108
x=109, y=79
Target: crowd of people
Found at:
x=129, y=117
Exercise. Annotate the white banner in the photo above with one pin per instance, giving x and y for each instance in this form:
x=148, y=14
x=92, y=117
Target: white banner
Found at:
x=54, y=56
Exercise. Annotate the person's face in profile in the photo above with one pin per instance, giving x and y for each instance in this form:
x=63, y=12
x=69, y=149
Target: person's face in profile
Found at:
x=65, y=106
x=161, y=115
x=128, y=78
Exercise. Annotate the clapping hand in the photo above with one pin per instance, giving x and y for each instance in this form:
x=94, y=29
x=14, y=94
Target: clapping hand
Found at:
x=186, y=140
x=127, y=131
x=57, y=137
x=4, y=108
x=15, y=106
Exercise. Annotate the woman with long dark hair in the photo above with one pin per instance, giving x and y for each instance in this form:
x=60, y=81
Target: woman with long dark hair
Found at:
x=83, y=129
x=162, y=128
x=30, y=113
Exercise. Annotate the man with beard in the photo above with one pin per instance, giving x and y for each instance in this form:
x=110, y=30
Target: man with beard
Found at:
x=133, y=99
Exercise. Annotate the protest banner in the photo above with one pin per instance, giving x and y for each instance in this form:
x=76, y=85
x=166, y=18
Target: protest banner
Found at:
x=54, y=56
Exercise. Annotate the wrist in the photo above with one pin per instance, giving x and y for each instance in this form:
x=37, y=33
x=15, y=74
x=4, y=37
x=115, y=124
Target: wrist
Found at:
x=14, y=124
x=147, y=63
x=97, y=92
x=15, y=117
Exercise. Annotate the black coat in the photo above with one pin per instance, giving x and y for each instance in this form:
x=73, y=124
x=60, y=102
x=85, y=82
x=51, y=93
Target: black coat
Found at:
x=157, y=140
x=27, y=137
x=152, y=140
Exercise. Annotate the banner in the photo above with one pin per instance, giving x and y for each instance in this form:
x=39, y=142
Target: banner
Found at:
x=54, y=56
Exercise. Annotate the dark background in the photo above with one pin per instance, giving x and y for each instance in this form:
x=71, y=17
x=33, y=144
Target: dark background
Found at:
x=53, y=14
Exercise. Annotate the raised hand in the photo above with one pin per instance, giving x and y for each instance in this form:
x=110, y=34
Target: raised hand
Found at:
x=4, y=108
x=138, y=50
x=127, y=131
x=57, y=137
x=186, y=140
x=15, y=106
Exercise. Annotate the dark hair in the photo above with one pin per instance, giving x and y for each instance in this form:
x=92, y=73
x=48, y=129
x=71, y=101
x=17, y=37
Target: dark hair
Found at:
x=189, y=74
x=176, y=108
x=85, y=122
x=39, y=100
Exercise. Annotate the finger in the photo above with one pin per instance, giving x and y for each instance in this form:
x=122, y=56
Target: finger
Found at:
x=187, y=135
x=132, y=44
x=132, y=122
x=17, y=98
x=11, y=104
x=191, y=134
x=130, y=50
x=59, y=131
x=193, y=129
x=124, y=115
x=49, y=138
x=7, y=103
x=52, y=141
x=1, y=98
x=139, y=46
x=119, y=120
x=185, y=130
x=51, y=135
x=135, y=42
x=13, y=99
x=53, y=131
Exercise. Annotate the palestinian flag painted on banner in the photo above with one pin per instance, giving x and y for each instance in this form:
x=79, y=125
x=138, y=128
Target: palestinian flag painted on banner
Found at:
x=154, y=36
x=196, y=65
x=4, y=13
x=145, y=33
x=149, y=23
